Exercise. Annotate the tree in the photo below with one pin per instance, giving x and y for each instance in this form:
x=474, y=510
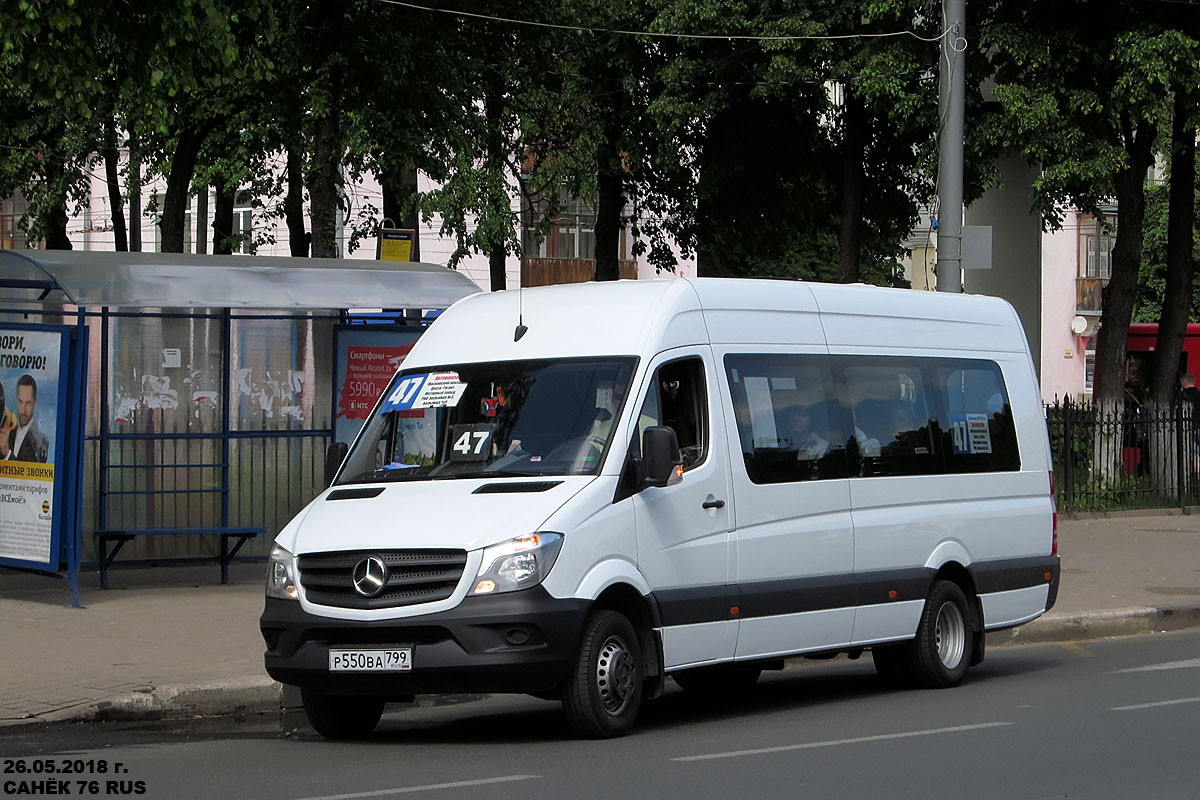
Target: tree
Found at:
x=809, y=151
x=1082, y=88
x=50, y=70
x=1177, y=297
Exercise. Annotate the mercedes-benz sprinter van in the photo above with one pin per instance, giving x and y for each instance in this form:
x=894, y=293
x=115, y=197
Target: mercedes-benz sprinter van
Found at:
x=578, y=491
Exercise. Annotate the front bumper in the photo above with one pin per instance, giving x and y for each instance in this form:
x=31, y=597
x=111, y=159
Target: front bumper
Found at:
x=518, y=642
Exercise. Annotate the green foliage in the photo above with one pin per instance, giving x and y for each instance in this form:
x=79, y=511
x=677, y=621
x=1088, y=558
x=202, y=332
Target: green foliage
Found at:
x=1152, y=275
x=732, y=148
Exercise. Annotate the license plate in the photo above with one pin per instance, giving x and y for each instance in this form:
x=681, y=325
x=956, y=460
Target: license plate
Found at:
x=392, y=659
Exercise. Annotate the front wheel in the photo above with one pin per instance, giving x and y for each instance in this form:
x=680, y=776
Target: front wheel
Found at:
x=945, y=637
x=341, y=717
x=604, y=691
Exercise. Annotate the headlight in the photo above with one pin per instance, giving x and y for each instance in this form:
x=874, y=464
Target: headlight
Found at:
x=517, y=564
x=281, y=581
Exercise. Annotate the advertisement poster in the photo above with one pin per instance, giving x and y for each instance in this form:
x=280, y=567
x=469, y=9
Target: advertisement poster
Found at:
x=31, y=363
x=366, y=360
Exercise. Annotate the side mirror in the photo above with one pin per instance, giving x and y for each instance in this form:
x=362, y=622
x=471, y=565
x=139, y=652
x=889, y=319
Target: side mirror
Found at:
x=660, y=453
x=335, y=454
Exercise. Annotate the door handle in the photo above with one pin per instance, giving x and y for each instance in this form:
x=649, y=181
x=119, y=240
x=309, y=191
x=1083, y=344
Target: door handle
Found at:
x=713, y=504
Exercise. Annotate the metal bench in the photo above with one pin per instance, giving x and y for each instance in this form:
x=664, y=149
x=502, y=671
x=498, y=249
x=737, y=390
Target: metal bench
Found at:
x=119, y=536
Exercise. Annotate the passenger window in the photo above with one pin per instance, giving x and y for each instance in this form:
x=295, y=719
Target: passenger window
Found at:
x=677, y=399
x=787, y=417
x=979, y=433
x=895, y=428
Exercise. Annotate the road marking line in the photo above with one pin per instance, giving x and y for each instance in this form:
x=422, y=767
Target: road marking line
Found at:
x=430, y=787
x=883, y=737
x=1077, y=650
x=1187, y=664
x=1156, y=705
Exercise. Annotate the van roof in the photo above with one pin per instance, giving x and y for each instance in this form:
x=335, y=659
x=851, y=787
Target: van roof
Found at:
x=640, y=317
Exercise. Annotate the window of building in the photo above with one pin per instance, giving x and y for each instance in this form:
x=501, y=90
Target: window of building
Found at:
x=572, y=234
x=1089, y=363
x=156, y=202
x=787, y=416
x=11, y=211
x=243, y=224
x=1095, y=248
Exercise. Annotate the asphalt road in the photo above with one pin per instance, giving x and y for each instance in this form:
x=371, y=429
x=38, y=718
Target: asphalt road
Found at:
x=1101, y=719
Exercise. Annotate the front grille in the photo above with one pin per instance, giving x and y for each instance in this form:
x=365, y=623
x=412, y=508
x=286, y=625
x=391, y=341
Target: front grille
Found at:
x=414, y=576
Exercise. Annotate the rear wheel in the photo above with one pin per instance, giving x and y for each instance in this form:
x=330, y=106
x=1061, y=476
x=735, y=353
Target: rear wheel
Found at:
x=945, y=638
x=341, y=717
x=604, y=691
x=718, y=679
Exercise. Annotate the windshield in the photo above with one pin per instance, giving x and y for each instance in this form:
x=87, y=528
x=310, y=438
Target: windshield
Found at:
x=543, y=417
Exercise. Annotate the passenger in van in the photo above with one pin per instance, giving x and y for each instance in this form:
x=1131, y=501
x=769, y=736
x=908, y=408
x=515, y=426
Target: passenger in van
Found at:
x=809, y=445
x=868, y=446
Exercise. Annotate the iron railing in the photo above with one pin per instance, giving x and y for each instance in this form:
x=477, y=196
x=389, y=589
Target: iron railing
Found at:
x=1133, y=457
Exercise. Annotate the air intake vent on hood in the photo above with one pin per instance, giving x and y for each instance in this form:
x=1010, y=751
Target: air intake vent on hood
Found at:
x=356, y=494
x=516, y=488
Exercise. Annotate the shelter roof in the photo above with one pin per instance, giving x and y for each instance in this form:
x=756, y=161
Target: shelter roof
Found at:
x=172, y=280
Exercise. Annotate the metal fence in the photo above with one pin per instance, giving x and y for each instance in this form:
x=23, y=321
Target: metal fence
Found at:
x=1135, y=457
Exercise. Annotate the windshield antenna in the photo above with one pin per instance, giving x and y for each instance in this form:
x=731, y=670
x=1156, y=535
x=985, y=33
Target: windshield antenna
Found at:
x=521, y=329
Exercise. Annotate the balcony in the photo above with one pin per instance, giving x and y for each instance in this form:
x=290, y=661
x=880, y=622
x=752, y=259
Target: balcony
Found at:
x=1088, y=292
x=552, y=271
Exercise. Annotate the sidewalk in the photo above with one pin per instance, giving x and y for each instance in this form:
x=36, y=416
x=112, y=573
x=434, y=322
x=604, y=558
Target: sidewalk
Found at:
x=173, y=642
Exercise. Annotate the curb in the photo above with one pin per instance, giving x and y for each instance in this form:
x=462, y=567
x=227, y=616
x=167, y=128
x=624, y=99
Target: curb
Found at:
x=224, y=698
x=1100, y=624
x=261, y=695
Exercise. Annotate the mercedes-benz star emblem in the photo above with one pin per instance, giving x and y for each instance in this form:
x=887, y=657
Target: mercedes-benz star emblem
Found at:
x=370, y=576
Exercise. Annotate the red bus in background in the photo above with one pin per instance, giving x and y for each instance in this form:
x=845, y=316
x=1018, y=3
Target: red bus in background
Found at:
x=1141, y=361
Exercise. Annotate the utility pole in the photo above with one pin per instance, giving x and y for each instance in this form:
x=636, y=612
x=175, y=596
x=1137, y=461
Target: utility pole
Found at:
x=951, y=101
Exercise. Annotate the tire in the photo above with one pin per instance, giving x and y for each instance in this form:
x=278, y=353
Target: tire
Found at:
x=942, y=650
x=719, y=679
x=603, y=693
x=893, y=664
x=339, y=717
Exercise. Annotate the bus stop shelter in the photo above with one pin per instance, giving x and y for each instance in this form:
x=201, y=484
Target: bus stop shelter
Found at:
x=206, y=388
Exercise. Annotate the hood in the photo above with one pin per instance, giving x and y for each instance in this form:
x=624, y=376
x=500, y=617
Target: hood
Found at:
x=429, y=514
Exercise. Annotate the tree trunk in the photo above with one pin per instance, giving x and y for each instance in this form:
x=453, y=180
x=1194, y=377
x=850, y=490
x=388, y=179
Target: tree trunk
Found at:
x=1177, y=296
x=611, y=178
x=116, y=203
x=399, y=204
x=1117, y=306
x=497, y=248
x=56, y=232
x=223, y=219
x=135, y=195
x=324, y=191
x=855, y=132
x=179, y=180
x=293, y=205
x=608, y=225
x=202, y=221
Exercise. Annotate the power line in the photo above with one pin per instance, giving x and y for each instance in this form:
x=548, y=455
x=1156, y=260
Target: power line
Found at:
x=663, y=35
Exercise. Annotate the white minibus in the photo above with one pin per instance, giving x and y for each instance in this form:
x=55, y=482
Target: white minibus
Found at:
x=577, y=492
